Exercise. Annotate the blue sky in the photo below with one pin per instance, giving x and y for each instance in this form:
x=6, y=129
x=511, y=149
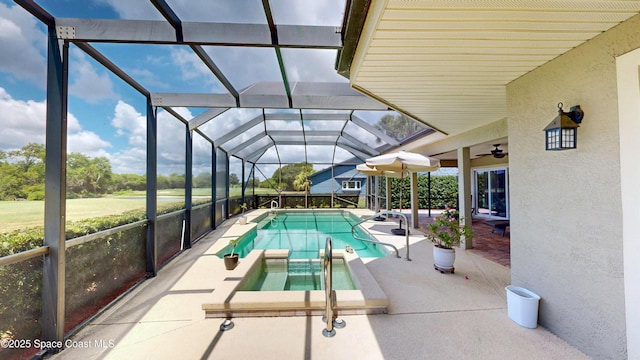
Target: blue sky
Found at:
x=107, y=117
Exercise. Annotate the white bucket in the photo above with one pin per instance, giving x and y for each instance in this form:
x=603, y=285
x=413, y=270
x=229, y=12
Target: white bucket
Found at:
x=522, y=306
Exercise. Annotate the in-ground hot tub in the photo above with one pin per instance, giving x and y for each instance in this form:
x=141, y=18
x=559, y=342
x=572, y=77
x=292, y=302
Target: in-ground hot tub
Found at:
x=297, y=274
x=231, y=300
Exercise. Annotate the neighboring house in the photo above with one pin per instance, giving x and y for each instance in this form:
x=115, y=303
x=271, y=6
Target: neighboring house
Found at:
x=344, y=180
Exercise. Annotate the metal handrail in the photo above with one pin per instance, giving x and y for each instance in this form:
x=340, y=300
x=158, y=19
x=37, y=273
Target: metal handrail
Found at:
x=383, y=212
x=86, y=238
x=353, y=233
x=23, y=255
x=44, y=250
x=328, y=265
x=330, y=295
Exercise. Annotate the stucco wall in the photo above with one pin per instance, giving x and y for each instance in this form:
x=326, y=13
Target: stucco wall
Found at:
x=566, y=212
x=629, y=108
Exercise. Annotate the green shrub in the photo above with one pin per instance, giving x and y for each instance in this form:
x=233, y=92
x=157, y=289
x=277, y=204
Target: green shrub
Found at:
x=444, y=192
x=21, y=299
x=17, y=241
x=97, y=270
x=34, y=192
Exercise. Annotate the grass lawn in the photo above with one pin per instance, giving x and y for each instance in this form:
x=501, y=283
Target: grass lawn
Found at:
x=233, y=192
x=20, y=214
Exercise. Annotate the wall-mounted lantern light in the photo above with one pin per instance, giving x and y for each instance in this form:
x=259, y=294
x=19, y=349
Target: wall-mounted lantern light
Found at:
x=562, y=132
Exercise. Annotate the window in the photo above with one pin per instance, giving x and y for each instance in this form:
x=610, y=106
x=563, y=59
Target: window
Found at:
x=351, y=185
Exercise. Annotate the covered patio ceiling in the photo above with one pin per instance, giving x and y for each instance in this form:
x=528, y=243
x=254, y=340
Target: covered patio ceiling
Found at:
x=274, y=118
x=447, y=63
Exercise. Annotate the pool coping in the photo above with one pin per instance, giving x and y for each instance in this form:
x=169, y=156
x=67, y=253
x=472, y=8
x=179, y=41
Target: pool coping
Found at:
x=228, y=301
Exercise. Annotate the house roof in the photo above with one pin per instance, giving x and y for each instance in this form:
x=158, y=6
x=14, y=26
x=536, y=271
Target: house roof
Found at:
x=352, y=173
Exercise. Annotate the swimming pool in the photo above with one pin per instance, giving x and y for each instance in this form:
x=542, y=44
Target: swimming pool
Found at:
x=304, y=233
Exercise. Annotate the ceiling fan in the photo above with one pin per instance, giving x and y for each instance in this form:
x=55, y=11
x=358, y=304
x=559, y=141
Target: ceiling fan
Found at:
x=497, y=152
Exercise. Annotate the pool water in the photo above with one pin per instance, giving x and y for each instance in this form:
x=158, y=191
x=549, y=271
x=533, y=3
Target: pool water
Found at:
x=298, y=275
x=304, y=233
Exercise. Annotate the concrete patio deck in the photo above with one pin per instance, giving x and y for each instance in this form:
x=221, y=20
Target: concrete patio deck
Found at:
x=431, y=315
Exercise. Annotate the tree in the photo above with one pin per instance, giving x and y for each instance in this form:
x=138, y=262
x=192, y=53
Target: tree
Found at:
x=302, y=182
x=253, y=182
x=87, y=176
x=11, y=184
x=398, y=127
x=101, y=175
x=22, y=171
x=129, y=182
x=289, y=173
x=177, y=181
x=171, y=181
x=202, y=180
x=77, y=164
x=29, y=155
x=233, y=180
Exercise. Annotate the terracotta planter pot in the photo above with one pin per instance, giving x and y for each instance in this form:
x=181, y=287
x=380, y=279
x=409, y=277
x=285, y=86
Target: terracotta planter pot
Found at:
x=231, y=261
x=443, y=258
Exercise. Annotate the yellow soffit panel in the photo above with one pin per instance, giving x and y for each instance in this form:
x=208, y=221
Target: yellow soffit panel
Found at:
x=447, y=63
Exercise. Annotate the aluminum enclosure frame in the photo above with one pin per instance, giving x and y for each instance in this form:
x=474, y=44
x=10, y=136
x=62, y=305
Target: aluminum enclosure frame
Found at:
x=195, y=35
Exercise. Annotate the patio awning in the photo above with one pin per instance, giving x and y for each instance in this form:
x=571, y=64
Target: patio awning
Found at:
x=447, y=63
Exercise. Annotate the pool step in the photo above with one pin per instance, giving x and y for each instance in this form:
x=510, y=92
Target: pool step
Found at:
x=274, y=281
x=300, y=267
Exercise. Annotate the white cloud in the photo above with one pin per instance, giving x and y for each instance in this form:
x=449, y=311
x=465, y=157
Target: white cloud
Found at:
x=85, y=81
x=245, y=66
x=136, y=10
x=22, y=121
x=130, y=123
x=25, y=121
x=189, y=63
x=311, y=65
x=172, y=142
x=245, y=11
x=22, y=44
x=129, y=161
x=170, y=137
x=322, y=13
x=21, y=34
x=227, y=121
x=88, y=143
x=148, y=78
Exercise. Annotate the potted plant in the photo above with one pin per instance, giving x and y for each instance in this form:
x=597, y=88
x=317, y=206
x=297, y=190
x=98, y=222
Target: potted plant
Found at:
x=231, y=260
x=243, y=218
x=445, y=233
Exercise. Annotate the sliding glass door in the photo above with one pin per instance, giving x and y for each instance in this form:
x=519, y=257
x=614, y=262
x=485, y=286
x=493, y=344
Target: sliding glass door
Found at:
x=492, y=192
